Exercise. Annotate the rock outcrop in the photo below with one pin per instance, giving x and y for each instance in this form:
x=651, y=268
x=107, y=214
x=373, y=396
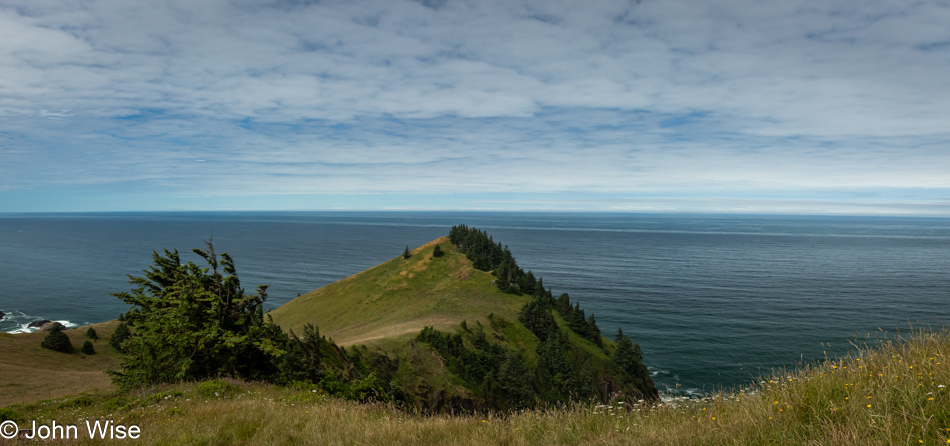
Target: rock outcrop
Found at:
x=49, y=326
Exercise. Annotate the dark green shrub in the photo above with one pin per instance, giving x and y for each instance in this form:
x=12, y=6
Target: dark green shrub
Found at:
x=121, y=334
x=9, y=414
x=87, y=348
x=91, y=333
x=56, y=340
x=437, y=251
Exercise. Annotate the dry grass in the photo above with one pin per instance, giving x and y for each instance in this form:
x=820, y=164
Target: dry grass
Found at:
x=893, y=394
x=29, y=372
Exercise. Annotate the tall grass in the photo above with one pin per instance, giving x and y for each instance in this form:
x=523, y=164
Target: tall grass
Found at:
x=893, y=393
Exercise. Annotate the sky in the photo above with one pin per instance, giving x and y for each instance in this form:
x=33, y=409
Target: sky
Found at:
x=799, y=107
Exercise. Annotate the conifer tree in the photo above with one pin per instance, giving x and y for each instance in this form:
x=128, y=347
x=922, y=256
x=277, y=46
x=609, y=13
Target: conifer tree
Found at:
x=194, y=322
x=437, y=251
x=87, y=348
x=91, y=333
x=58, y=341
x=406, y=254
x=514, y=379
x=119, y=336
x=593, y=331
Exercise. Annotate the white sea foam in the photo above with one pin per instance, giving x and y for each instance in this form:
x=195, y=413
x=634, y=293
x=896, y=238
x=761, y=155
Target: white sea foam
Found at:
x=16, y=322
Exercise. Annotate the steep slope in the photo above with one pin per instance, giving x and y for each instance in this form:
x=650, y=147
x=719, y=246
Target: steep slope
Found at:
x=449, y=336
x=400, y=297
x=29, y=372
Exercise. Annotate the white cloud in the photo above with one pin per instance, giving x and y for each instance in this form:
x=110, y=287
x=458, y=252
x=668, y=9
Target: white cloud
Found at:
x=358, y=97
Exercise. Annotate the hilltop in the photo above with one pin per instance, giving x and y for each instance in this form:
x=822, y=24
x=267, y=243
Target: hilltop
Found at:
x=451, y=325
x=457, y=325
x=399, y=297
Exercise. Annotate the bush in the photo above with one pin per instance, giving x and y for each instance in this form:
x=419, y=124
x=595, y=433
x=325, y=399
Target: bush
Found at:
x=9, y=414
x=87, y=348
x=56, y=340
x=406, y=254
x=215, y=388
x=91, y=333
x=437, y=251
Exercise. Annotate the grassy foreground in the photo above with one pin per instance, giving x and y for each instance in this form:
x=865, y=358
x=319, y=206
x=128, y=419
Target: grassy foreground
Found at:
x=895, y=393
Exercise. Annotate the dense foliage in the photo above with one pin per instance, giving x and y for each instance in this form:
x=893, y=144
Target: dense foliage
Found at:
x=486, y=255
x=119, y=336
x=563, y=370
x=194, y=323
x=58, y=341
x=88, y=348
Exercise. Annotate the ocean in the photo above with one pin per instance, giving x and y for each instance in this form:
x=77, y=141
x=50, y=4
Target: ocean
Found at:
x=715, y=301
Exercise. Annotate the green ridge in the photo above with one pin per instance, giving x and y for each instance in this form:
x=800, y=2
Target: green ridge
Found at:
x=400, y=297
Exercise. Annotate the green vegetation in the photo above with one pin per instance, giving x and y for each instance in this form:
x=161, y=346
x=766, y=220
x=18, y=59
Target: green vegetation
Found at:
x=407, y=317
x=88, y=348
x=91, y=334
x=895, y=393
x=56, y=340
x=195, y=323
x=119, y=336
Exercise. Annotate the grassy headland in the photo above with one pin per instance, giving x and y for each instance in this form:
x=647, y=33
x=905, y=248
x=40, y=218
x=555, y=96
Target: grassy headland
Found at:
x=400, y=297
x=895, y=393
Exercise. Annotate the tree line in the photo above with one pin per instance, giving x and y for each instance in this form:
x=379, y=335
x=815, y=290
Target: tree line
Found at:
x=190, y=322
x=562, y=370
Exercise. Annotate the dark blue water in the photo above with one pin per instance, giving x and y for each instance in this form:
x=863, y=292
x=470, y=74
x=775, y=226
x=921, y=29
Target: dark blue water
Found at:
x=714, y=300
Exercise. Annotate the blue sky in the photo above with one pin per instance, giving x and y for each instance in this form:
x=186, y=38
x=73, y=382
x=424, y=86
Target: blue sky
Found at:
x=818, y=107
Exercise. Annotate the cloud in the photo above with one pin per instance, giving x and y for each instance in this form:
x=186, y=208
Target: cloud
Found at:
x=299, y=97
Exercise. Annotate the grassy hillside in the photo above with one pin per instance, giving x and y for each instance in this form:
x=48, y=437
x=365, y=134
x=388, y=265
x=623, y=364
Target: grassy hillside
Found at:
x=895, y=394
x=380, y=313
x=29, y=372
x=400, y=297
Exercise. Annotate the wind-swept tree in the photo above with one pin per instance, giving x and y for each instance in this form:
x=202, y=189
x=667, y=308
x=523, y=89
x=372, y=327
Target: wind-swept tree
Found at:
x=193, y=323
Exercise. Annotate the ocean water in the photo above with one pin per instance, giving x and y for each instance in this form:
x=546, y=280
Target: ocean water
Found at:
x=714, y=300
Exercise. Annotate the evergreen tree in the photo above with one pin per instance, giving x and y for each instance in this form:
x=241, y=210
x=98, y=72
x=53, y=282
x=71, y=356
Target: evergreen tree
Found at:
x=193, y=323
x=536, y=316
x=628, y=357
x=406, y=254
x=437, y=251
x=593, y=331
x=119, y=336
x=58, y=341
x=303, y=361
x=87, y=348
x=514, y=379
x=553, y=368
x=91, y=333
